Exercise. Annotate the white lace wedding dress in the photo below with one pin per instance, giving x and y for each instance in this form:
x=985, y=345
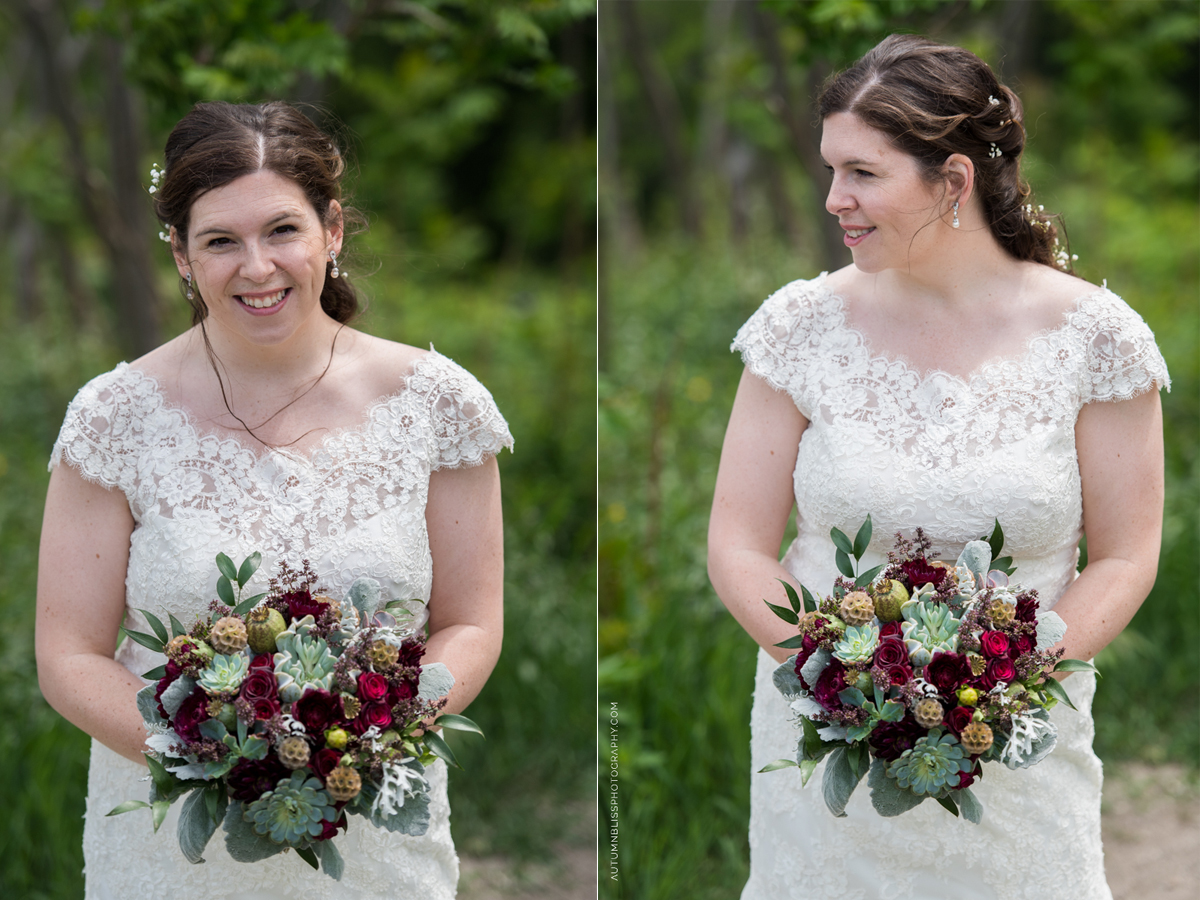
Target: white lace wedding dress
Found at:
x=355, y=506
x=950, y=455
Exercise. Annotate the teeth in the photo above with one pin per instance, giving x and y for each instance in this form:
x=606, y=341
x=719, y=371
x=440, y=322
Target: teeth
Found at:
x=854, y=233
x=264, y=302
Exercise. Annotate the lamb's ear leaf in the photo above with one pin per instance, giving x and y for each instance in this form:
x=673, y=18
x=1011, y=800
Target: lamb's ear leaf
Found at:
x=972, y=809
x=888, y=798
x=196, y=825
x=332, y=863
x=839, y=783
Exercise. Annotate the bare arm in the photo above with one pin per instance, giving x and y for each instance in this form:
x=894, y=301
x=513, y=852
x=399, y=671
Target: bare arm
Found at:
x=751, y=505
x=80, y=605
x=466, y=609
x=1120, y=448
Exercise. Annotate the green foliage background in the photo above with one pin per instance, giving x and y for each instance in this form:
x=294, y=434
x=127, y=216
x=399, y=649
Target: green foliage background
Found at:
x=1110, y=96
x=468, y=129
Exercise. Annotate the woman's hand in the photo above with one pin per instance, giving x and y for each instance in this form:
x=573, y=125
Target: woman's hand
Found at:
x=80, y=605
x=751, y=505
x=466, y=608
x=1120, y=449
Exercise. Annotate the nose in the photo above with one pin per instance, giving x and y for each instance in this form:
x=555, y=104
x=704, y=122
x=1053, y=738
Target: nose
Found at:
x=838, y=200
x=257, y=263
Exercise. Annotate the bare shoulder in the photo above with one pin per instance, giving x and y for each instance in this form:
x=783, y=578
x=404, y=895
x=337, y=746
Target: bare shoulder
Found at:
x=378, y=362
x=846, y=280
x=173, y=362
x=1053, y=290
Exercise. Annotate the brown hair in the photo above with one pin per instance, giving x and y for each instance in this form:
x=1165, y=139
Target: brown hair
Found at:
x=934, y=100
x=217, y=143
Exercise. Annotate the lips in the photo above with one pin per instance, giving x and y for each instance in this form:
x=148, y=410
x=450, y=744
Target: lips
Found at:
x=262, y=301
x=855, y=236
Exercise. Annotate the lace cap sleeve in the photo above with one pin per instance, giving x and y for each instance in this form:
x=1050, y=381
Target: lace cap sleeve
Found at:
x=467, y=427
x=95, y=434
x=1123, y=359
x=779, y=342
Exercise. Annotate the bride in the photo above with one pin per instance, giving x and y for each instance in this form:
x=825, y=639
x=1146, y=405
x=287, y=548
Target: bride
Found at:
x=956, y=373
x=272, y=426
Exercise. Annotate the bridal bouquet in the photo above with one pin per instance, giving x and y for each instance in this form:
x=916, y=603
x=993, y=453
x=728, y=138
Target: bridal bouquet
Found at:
x=282, y=713
x=918, y=672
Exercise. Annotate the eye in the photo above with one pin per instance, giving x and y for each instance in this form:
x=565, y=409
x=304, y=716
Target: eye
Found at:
x=864, y=173
x=829, y=168
x=216, y=243
x=284, y=229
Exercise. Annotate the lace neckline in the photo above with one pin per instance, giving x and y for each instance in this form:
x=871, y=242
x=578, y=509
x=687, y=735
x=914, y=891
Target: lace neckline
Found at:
x=327, y=445
x=983, y=372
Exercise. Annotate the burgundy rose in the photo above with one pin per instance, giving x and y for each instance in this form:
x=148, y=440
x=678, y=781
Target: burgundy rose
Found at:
x=260, y=684
x=173, y=672
x=325, y=761
x=994, y=643
x=330, y=829
x=403, y=690
x=1027, y=610
x=890, y=629
x=831, y=682
x=958, y=718
x=1021, y=645
x=1001, y=669
x=920, y=573
x=965, y=779
x=301, y=604
x=266, y=707
x=948, y=671
x=372, y=686
x=192, y=712
x=890, y=739
x=899, y=674
x=891, y=652
x=251, y=778
x=316, y=710
x=372, y=714
x=263, y=660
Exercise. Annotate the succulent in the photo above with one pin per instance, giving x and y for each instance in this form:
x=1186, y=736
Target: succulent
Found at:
x=976, y=738
x=292, y=812
x=1001, y=612
x=857, y=608
x=228, y=635
x=932, y=765
x=858, y=644
x=889, y=595
x=301, y=662
x=927, y=628
x=224, y=674
x=263, y=625
x=928, y=712
x=343, y=784
x=382, y=654
x=293, y=751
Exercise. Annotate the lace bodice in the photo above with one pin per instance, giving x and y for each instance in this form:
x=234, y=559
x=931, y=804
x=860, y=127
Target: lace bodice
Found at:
x=950, y=454
x=354, y=506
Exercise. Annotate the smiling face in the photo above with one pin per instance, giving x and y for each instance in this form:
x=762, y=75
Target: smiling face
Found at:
x=257, y=252
x=892, y=216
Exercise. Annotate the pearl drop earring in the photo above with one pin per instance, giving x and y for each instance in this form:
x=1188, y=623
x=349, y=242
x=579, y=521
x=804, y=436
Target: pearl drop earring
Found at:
x=191, y=295
x=954, y=224
x=333, y=258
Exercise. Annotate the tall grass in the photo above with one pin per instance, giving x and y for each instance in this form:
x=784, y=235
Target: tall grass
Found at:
x=528, y=339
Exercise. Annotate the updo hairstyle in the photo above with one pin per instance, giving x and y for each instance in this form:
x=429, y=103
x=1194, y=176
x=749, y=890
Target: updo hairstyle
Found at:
x=934, y=100
x=216, y=143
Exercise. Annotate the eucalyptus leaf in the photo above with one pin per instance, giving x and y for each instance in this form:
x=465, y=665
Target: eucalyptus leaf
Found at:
x=841, y=541
x=213, y=729
x=157, y=625
x=249, y=566
x=972, y=809
x=891, y=711
x=225, y=591
x=793, y=597
x=127, y=806
x=863, y=538
x=440, y=748
x=843, y=563
x=853, y=697
x=839, y=782
x=242, y=841
x=196, y=826
x=888, y=798
x=784, y=613
x=865, y=578
x=225, y=564
x=769, y=767
x=458, y=723
x=147, y=640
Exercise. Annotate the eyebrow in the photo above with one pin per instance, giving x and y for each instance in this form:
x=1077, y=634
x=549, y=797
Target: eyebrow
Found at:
x=221, y=229
x=853, y=162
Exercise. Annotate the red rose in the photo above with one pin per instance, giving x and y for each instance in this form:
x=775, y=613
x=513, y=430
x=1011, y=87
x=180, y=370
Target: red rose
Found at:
x=402, y=690
x=192, y=712
x=266, y=707
x=831, y=682
x=1021, y=645
x=260, y=684
x=994, y=643
x=325, y=761
x=263, y=660
x=898, y=675
x=372, y=714
x=958, y=719
x=890, y=629
x=315, y=710
x=948, y=671
x=371, y=687
x=891, y=652
x=1001, y=669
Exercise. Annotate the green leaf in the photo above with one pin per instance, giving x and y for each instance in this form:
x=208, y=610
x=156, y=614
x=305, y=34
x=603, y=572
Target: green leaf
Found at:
x=127, y=806
x=891, y=711
x=228, y=569
x=212, y=804
x=843, y=564
x=793, y=643
x=176, y=626
x=793, y=598
x=196, y=825
x=439, y=747
x=810, y=602
x=306, y=854
x=888, y=798
x=1057, y=691
x=156, y=673
x=157, y=625
x=1076, y=665
x=163, y=780
x=160, y=808
x=255, y=747
x=458, y=723
x=857, y=757
x=147, y=640
x=853, y=697
x=225, y=591
x=972, y=809
x=948, y=803
x=863, y=538
x=249, y=566
x=248, y=604
x=1003, y=564
x=841, y=541
x=839, y=783
x=769, y=767
x=807, y=767
x=996, y=541
x=865, y=578
x=784, y=613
